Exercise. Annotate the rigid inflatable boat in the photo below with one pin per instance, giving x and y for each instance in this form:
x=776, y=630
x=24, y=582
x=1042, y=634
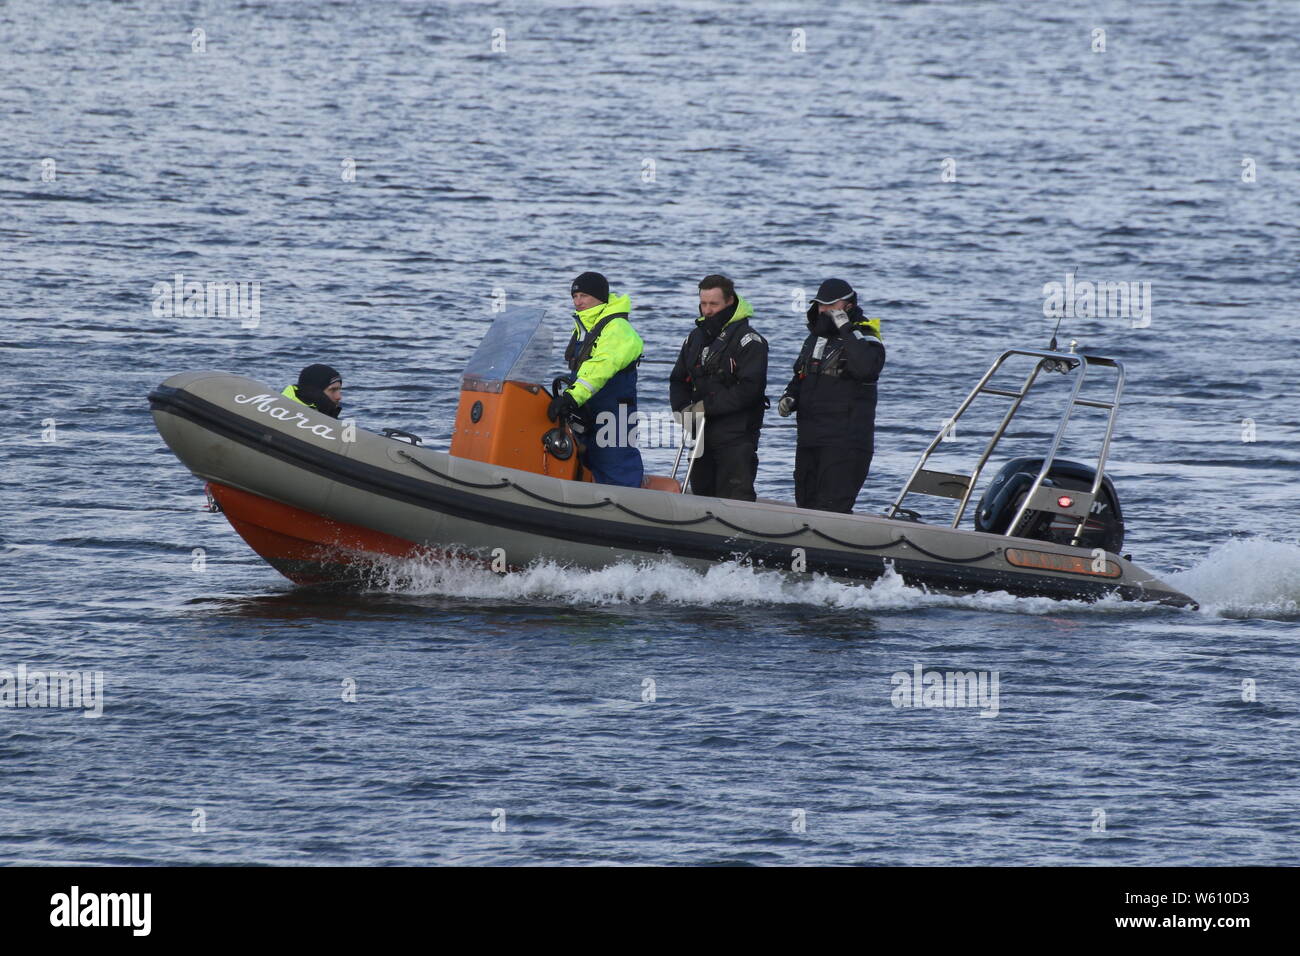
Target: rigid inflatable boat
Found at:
x=320, y=499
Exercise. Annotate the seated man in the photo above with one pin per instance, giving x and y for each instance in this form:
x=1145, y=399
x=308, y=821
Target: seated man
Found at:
x=319, y=387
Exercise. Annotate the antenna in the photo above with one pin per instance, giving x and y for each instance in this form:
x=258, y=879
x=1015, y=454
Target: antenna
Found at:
x=1052, y=346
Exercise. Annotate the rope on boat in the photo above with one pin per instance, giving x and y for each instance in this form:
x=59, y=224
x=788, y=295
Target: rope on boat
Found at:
x=558, y=504
x=757, y=534
x=503, y=483
x=904, y=539
x=901, y=539
x=707, y=516
x=851, y=544
x=669, y=521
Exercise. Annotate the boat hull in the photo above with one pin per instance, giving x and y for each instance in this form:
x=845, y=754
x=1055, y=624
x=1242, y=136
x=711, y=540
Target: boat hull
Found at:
x=308, y=548
x=364, y=494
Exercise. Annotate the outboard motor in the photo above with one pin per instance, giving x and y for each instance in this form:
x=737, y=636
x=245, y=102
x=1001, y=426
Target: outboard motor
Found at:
x=1005, y=494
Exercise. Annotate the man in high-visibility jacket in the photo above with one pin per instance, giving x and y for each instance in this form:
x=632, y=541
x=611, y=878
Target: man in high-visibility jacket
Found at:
x=600, y=404
x=319, y=387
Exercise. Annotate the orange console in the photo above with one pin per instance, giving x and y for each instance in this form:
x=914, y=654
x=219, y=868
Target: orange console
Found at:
x=504, y=423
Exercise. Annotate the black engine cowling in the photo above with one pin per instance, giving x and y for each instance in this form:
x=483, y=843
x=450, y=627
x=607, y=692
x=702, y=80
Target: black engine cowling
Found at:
x=1004, y=495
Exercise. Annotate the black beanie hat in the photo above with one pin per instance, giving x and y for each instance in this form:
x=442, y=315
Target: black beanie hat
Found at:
x=592, y=283
x=318, y=377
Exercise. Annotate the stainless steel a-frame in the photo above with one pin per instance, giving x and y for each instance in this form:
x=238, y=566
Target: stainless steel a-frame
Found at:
x=1074, y=504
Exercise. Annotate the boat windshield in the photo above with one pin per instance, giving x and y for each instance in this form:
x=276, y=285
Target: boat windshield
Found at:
x=519, y=347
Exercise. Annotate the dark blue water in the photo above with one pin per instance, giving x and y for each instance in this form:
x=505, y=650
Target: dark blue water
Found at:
x=1121, y=733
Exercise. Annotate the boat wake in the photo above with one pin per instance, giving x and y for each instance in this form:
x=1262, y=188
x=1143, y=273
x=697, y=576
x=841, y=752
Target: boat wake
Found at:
x=668, y=582
x=1246, y=578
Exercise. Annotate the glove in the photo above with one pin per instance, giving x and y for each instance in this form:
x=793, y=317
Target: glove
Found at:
x=786, y=406
x=561, y=405
x=840, y=318
x=825, y=325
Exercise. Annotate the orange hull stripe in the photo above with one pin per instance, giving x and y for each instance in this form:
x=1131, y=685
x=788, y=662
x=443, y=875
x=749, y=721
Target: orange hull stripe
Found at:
x=280, y=532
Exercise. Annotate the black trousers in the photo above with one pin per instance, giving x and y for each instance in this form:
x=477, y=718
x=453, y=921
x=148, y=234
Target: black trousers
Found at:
x=726, y=471
x=828, y=478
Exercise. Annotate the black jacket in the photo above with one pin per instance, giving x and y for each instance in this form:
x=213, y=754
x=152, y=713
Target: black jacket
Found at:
x=727, y=370
x=835, y=388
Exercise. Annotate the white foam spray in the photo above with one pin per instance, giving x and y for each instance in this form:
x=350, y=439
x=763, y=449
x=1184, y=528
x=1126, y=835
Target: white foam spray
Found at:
x=665, y=581
x=1246, y=577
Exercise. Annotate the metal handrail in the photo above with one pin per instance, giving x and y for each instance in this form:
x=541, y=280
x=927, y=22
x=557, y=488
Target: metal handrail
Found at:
x=1061, y=361
x=1050, y=458
x=693, y=439
x=997, y=435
